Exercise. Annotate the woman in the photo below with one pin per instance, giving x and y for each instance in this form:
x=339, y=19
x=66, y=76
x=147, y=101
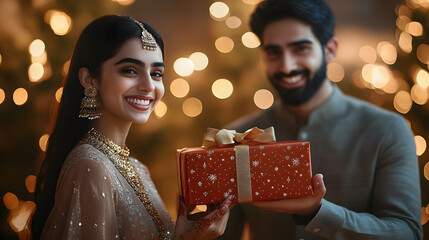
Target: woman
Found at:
x=88, y=187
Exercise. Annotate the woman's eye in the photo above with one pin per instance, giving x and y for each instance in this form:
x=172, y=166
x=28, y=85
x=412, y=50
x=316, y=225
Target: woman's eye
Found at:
x=158, y=74
x=129, y=70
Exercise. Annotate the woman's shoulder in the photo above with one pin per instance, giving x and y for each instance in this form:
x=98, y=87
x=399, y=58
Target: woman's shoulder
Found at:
x=86, y=156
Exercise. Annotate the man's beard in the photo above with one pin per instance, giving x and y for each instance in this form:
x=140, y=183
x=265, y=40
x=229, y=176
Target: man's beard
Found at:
x=302, y=94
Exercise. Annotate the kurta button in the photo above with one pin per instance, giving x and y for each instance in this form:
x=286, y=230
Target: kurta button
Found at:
x=316, y=229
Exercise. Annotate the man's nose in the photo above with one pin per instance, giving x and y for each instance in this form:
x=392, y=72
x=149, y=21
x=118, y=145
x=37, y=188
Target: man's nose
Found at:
x=289, y=63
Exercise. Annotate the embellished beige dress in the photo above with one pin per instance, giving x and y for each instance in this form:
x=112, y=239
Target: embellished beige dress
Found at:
x=94, y=201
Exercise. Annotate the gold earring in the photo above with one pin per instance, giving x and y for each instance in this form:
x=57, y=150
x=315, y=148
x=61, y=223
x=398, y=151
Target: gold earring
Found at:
x=90, y=105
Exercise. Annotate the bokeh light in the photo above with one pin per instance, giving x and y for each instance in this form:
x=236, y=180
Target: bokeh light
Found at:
x=1, y=59
x=124, y=2
x=200, y=60
x=20, y=96
x=59, y=94
x=59, y=21
x=422, y=78
x=405, y=42
x=43, y=142
x=335, y=72
x=263, y=99
x=218, y=10
x=160, y=109
x=425, y=216
x=35, y=72
x=387, y=52
x=368, y=54
x=183, y=67
x=42, y=59
x=222, y=88
x=251, y=2
x=250, y=40
x=36, y=48
x=426, y=171
x=414, y=28
x=65, y=68
x=179, y=88
x=233, y=22
x=419, y=94
x=224, y=44
x=423, y=53
x=192, y=107
x=2, y=96
x=420, y=145
x=18, y=217
x=377, y=75
x=30, y=183
x=402, y=102
x=10, y=200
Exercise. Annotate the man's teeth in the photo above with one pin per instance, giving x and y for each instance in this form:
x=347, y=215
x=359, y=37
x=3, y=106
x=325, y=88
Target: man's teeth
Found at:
x=292, y=79
x=138, y=101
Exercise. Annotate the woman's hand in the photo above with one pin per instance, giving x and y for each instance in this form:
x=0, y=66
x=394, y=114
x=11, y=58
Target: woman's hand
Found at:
x=210, y=226
x=305, y=206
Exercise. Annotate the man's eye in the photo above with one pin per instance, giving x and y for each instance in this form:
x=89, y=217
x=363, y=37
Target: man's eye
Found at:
x=302, y=48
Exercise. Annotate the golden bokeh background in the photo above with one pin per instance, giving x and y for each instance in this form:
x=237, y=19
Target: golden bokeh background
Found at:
x=213, y=76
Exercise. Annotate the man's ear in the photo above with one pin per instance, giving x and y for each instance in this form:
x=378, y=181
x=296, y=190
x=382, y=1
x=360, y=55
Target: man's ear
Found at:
x=85, y=78
x=331, y=49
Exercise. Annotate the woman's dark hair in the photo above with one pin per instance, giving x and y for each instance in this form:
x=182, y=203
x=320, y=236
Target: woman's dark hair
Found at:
x=317, y=13
x=98, y=42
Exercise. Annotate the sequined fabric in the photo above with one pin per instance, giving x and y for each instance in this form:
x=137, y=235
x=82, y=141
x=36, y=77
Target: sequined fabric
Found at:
x=94, y=201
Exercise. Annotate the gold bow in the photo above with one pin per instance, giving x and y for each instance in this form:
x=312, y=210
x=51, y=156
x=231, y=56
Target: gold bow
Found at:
x=221, y=138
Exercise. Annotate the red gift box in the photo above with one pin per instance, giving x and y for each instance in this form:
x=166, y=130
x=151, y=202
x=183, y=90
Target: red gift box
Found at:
x=274, y=171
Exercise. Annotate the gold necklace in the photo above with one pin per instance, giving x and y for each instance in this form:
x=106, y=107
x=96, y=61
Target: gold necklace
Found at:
x=119, y=157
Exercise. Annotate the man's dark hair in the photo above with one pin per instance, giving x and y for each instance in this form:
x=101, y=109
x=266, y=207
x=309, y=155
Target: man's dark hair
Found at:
x=317, y=13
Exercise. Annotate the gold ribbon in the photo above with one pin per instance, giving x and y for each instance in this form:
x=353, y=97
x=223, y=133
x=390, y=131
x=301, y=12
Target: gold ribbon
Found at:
x=222, y=138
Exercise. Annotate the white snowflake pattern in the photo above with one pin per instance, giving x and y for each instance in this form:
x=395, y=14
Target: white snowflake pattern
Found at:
x=261, y=147
x=276, y=169
x=209, y=153
x=255, y=163
x=225, y=194
x=287, y=157
x=192, y=171
x=284, y=194
x=257, y=193
x=232, y=180
x=198, y=156
x=309, y=187
x=204, y=165
x=288, y=179
x=212, y=177
x=232, y=157
x=295, y=161
x=288, y=147
x=205, y=194
x=200, y=183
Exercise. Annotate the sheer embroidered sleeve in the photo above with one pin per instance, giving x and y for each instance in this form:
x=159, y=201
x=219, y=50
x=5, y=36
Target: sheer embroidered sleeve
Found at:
x=85, y=200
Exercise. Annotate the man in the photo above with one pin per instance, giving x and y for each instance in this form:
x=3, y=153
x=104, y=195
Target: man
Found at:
x=370, y=186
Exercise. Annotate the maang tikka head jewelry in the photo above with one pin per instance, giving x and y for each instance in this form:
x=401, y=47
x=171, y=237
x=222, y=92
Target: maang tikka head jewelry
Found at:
x=90, y=105
x=148, y=41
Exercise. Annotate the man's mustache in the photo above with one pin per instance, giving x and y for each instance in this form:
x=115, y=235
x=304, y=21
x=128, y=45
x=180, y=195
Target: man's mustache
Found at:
x=281, y=75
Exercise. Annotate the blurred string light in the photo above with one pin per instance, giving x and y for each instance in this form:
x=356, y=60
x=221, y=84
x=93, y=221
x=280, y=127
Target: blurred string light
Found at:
x=405, y=42
x=35, y=72
x=65, y=68
x=160, y=109
x=222, y=88
x=233, y=22
x=59, y=21
x=368, y=54
x=36, y=48
x=422, y=78
x=124, y=2
x=414, y=28
x=419, y=95
x=192, y=107
x=402, y=102
x=426, y=170
x=1, y=59
x=179, y=88
x=402, y=21
x=263, y=99
x=335, y=72
x=10, y=200
x=420, y=145
x=20, y=96
x=218, y=11
x=59, y=94
x=2, y=96
x=423, y=53
x=18, y=217
x=183, y=67
x=425, y=216
x=224, y=44
x=250, y=40
x=387, y=52
x=42, y=59
x=200, y=60
x=43, y=142
x=418, y=3
x=251, y=2
x=377, y=75
x=30, y=183
x=403, y=10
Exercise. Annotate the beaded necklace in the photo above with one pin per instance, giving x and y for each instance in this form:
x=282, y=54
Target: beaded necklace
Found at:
x=119, y=157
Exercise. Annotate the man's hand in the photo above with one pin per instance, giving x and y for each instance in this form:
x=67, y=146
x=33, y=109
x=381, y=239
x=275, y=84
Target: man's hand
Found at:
x=300, y=206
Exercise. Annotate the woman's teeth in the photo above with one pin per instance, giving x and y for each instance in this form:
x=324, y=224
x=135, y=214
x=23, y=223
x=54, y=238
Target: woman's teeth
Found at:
x=138, y=101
